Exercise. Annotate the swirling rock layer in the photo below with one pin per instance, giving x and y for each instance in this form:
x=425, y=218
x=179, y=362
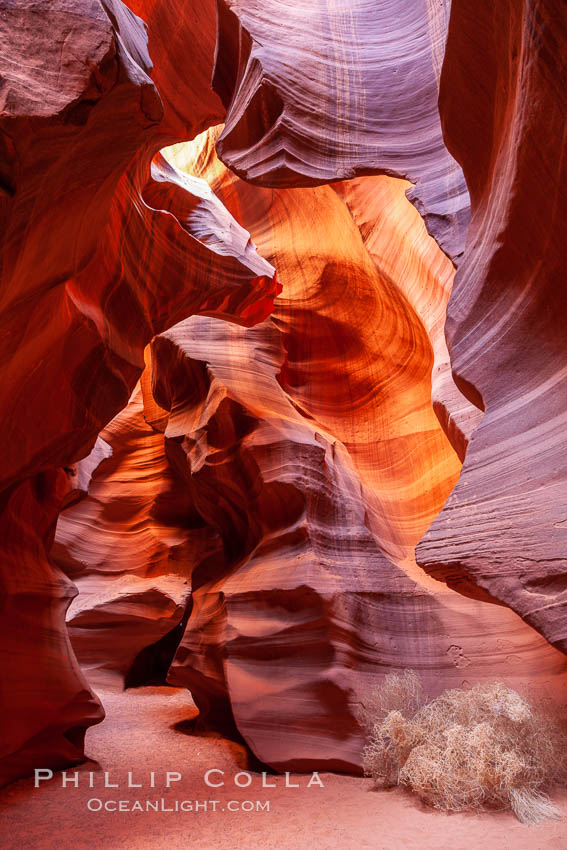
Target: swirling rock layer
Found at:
x=80, y=214
x=322, y=92
x=504, y=105
x=310, y=452
x=125, y=547
x=246, y=524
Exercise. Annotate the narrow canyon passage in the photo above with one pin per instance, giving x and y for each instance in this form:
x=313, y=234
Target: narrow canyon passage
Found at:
x=333, y=817
x=253, y=540
x=282, y=413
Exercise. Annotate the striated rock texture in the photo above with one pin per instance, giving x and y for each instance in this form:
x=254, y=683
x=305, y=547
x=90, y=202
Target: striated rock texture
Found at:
x=396, y=240
x=312, y=462
x=126, y=548
x=246, y=524
x=504, y=107
x=327, y=91
x=304, y=610
x=97, y=255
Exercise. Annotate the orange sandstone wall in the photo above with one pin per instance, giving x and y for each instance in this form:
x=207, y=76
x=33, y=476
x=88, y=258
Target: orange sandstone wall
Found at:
x=312, y=462
x=244, y=520
x=97, y=256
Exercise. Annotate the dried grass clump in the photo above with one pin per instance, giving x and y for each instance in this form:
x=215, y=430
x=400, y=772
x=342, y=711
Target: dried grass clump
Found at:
x=401, y=692
x=487, y=747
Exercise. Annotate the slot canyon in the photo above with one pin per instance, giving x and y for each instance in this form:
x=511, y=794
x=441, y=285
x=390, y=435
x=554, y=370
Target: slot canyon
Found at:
x=284, y=382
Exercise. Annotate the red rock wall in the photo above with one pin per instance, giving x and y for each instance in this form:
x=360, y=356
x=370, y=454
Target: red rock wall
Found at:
x=80, y=216
x=125, y=547
x=310, y=451
x=286, y=472
x=504, y=107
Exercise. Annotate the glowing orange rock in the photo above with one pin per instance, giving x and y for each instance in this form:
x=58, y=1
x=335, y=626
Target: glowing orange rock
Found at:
x=91, y=270
x=308, y=449
x=322, y=92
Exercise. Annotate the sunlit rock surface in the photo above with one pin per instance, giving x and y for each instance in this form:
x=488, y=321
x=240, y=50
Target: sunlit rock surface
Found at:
x=98, y=255
x=246, y=524
x=312, y=462
x=324, y=91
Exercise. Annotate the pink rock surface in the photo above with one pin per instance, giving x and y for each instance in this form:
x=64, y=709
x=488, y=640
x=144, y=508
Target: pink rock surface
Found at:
x=329, y=91
x=504, y=106
x=315, y=463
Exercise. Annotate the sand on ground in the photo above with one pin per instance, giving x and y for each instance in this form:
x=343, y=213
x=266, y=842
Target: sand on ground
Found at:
x=150, y=729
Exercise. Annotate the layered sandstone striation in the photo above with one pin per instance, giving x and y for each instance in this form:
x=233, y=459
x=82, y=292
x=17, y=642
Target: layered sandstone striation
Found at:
x=319, y=92
x=503, y=103
x=242, y=482
x=126, y=547
x=312, y=461
x=83, y=211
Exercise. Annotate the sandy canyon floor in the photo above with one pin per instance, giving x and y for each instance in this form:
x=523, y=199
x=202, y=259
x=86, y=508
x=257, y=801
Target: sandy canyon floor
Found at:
x=149, y=729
